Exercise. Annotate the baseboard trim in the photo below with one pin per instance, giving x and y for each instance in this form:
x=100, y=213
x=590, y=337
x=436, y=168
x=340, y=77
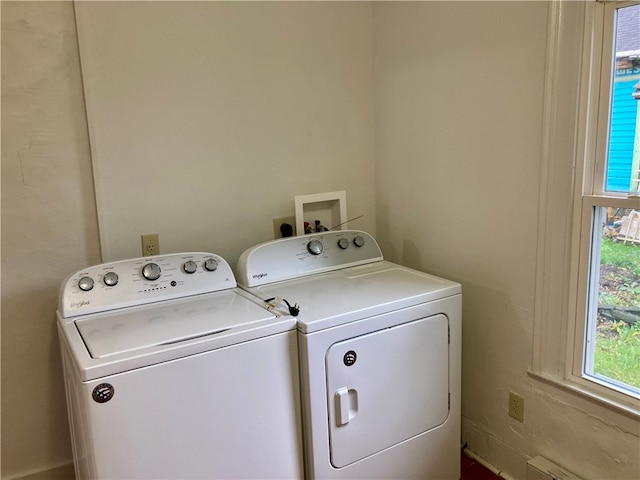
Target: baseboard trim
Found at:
x=62, y=472
x=486, y=464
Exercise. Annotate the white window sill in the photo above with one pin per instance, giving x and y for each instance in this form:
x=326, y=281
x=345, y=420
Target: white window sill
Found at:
x=628, y=410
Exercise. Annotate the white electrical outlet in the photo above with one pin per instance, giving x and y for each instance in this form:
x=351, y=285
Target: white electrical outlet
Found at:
x=150, y=244
x=516, y=406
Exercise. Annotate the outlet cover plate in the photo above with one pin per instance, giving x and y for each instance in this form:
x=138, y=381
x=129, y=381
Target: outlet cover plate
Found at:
x=150, y=244
x=516, y=406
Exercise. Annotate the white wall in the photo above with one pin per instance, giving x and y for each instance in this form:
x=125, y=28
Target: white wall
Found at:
x=49, y=225
x=207, y=118
x=459, y=114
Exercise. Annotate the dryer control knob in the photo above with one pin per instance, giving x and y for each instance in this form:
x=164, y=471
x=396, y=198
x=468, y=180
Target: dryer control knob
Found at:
x=315, y=247
x=110, y=279
x=210, y=264
x=151, y=271
x=85, y=284
x=358, y=241
x=190, y=266
x=343, y=243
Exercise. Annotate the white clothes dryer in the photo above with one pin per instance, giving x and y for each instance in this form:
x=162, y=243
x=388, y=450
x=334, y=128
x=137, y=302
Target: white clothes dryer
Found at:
x=379, y=355
x=173, y=372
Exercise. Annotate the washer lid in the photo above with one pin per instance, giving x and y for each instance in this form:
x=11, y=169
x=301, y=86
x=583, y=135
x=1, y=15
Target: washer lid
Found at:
x=170, y=323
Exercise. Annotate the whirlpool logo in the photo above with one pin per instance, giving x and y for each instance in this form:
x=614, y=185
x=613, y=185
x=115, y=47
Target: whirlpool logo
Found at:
x=258, y=276
x=79, y=304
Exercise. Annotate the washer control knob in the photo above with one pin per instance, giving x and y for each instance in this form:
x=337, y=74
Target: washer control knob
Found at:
x=110, y=279
x=189, y=266
x=343, y=243
x=151, y=271
x=210, y=264
x=315, y=247
x=85, y=284
x=358, y=241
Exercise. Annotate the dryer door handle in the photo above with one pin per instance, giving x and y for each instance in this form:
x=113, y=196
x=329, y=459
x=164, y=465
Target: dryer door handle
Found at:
x=346, y=405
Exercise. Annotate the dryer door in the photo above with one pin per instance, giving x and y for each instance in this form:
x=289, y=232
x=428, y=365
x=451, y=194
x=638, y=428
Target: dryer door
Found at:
x=386, y=387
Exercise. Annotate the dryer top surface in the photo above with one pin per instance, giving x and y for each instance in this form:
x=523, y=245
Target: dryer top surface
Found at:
x=333, y=298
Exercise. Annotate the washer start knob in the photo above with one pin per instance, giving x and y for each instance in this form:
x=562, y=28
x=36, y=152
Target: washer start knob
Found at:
x=151, y=271
x=315, y=247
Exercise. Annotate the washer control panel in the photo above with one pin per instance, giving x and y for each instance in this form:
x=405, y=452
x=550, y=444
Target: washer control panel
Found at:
x=143, y=280
x=305, y=255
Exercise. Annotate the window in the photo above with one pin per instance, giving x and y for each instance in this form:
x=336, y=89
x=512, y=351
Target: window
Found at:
x=607, y=342
x=587, y=327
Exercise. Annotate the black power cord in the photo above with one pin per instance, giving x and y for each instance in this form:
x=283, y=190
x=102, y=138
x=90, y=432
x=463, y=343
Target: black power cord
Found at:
x=294, y=309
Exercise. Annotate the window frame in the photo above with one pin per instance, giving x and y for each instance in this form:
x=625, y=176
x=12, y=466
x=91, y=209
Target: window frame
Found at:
x=574, y=159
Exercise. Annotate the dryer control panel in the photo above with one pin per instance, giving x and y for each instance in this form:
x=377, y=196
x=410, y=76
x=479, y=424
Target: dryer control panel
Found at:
x=141, y=281
x=294, y=257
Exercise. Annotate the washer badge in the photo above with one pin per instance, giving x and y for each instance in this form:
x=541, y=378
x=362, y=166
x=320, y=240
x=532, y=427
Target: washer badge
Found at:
x=103, y=392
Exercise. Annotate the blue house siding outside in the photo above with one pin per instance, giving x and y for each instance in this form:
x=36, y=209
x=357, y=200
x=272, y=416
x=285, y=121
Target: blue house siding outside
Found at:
x=621, y=164
x=622, y=132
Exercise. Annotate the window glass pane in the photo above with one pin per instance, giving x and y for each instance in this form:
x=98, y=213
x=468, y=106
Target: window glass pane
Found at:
x=613, y=330
x=623, y=162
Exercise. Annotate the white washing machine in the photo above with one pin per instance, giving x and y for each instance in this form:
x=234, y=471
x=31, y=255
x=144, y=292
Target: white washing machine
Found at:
x=379, y=355
x=172, y=372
